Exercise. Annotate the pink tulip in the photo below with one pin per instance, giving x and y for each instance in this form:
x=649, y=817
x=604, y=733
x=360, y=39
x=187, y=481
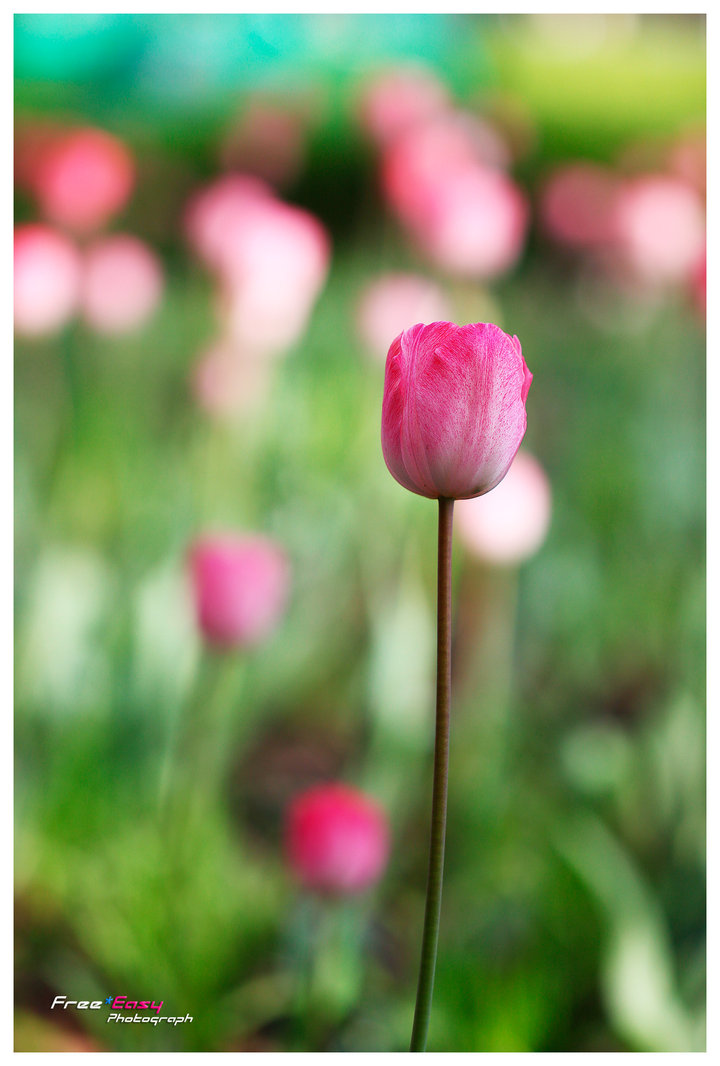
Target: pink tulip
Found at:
x=46, y=280
x=122, y=284
x=660, y=229
x=390, y=302
x=511, y=523
x=241, y=588
x=336, y=839
x=453, y=413
x=577, y=205
x=400, y=98
x=83, y=178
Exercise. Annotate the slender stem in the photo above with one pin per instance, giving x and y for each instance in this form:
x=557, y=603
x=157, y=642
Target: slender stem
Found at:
x=440, y=781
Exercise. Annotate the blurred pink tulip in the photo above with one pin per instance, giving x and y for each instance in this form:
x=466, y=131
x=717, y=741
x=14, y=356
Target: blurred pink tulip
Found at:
x=453, y=413
x=512, y=522
x=227, y=381
x=390, y=302
x=577, y=205
x=82, y=178
x=267, y=141
x=688, y=159
x=241, y=586
x=271, y=259
x=476, y=223
x=698, y=286
x=419, y=162
x=336, y=839
x=399, y=98
x=217, y=213
x=122, y=284
x=46, y=279
x=659, y=229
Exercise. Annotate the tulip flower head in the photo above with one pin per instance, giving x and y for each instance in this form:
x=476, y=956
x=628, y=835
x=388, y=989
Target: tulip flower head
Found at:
x=453, y=413
x=241, y=587
x=336, y=839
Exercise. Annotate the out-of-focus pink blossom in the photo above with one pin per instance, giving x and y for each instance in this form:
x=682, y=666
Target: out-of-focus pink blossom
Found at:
x=399, y=98
x=122, y=284
x=577, y=205
x=336, y=839
x=453, y=412
x=82, y=178
x=392, y=301
x=419, y=162
x=475, y=223
x=271, y=260
x=46, y=279
x=659, y=228
x=688, y=159
x=267, y=141
x=511, y=523
x=241, y=586
x=228, y=381
x=216, y=214
x=698, y=286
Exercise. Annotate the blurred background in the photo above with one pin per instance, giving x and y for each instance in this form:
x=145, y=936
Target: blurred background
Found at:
x=223, y=599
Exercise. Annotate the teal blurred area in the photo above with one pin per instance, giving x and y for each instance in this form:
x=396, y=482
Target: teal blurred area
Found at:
x=153, y=770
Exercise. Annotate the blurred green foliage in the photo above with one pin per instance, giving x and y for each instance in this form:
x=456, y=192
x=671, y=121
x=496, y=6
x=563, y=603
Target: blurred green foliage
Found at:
x=574, y=903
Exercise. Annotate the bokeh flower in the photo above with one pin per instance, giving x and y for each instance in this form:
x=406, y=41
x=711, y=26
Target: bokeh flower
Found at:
x=47, y=270
x=240, y=585
x=82, y=178
x=475, y=223
x=227, y=380
x=390, y=301
x=511, y=523
x=122, y=283
x=659, y=228
x=336, y=839
x=577, y=203
x=396, y=99
x=271, y=260
x=453, y=413
x=417, y=163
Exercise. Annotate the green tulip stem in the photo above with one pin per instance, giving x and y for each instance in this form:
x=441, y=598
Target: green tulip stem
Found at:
x=433, y=897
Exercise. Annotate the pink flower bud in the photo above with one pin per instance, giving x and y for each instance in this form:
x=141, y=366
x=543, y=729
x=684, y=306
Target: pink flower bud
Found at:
x=122, y=284
x=453, y=412
x=83, y=178
x=392, y=300
x=47, y=280
x=511, y=524
x=241, y=588
x=336, y=839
